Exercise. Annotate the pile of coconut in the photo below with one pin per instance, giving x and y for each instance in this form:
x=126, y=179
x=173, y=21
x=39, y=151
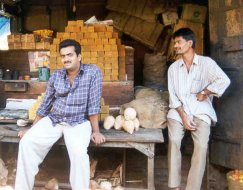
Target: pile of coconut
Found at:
x=129, y=121
x=104, y=185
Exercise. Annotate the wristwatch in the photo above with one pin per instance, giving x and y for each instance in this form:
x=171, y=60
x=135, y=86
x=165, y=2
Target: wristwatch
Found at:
x=203, y=92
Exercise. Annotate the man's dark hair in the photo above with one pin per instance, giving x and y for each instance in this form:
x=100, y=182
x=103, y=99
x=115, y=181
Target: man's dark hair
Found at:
x=69, y=42
x=187, y=34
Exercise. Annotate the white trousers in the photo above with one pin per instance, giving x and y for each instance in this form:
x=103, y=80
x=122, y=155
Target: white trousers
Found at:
x=198, y=162
x=37, y=142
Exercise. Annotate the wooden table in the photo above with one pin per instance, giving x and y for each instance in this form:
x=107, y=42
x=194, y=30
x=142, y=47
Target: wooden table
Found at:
x=143, y=140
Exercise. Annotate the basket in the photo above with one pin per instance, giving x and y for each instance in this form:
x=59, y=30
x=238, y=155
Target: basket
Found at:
x=235, y=184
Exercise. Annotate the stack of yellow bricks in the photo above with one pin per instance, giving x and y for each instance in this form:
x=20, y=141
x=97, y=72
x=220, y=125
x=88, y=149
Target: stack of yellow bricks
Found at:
x=26, y=41
x=35, y=106
x=100, y=45
x=104, y=111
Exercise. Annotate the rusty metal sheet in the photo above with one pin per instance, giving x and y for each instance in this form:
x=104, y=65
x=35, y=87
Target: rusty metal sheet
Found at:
x=234, y=24
x=233, y=43
x=229, y=153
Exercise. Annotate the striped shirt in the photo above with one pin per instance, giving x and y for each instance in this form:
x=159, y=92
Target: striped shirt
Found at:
x=183, y=87
x=72, y=104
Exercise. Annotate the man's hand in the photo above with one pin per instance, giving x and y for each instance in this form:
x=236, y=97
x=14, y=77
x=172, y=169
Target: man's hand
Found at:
x=97, y=138
x=188, y=123
x=22, y=133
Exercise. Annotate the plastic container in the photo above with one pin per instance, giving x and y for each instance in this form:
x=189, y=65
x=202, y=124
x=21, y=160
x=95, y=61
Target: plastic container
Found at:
x=44, y=73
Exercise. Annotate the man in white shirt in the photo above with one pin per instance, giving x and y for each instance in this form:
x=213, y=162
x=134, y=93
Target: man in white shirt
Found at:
x=193, y=80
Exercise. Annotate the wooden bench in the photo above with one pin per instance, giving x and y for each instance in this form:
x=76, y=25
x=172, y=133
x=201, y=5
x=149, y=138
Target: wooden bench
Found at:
x=143, y=140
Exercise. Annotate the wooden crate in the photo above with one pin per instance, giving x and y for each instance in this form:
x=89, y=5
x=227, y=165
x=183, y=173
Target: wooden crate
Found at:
x=169, y=17
x=143, y=31
x=194, y=13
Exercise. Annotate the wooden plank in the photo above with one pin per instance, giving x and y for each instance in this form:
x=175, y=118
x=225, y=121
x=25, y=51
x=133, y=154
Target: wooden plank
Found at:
x=118, y=93
x=142, y=135
x=114, y=93
x=213, y=24
x=112, y=135
x=150, y=171
x=144, y=148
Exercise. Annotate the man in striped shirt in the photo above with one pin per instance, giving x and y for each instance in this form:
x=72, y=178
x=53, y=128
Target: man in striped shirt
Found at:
x=193, y=80
x=69, y=108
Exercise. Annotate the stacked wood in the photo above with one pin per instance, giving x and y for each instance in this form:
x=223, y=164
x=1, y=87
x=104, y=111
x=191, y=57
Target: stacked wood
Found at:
x=26, y=41
x=142, y=30
x=137, y=8
x=100, y=46
x=137, y=19
x=145, y=21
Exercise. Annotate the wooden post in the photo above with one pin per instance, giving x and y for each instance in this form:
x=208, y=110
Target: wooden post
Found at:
x=150, y=170
x=124, y=168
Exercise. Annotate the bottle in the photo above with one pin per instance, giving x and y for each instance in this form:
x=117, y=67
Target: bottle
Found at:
x=15, y=75
x=7, y=75
x=1, y=74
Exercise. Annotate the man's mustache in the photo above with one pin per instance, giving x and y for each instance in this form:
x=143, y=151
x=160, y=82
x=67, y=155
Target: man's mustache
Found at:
x=67, y=62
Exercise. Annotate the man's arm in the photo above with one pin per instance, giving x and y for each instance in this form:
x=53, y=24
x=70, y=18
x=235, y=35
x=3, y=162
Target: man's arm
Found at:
x=94, y=106
x=96, y=136
x=37, y=118
x=45, y=106
x=219, y=82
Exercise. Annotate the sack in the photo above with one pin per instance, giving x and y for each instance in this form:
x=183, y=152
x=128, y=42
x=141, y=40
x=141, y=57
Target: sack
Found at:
x=155, y=71
x=151, y=107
